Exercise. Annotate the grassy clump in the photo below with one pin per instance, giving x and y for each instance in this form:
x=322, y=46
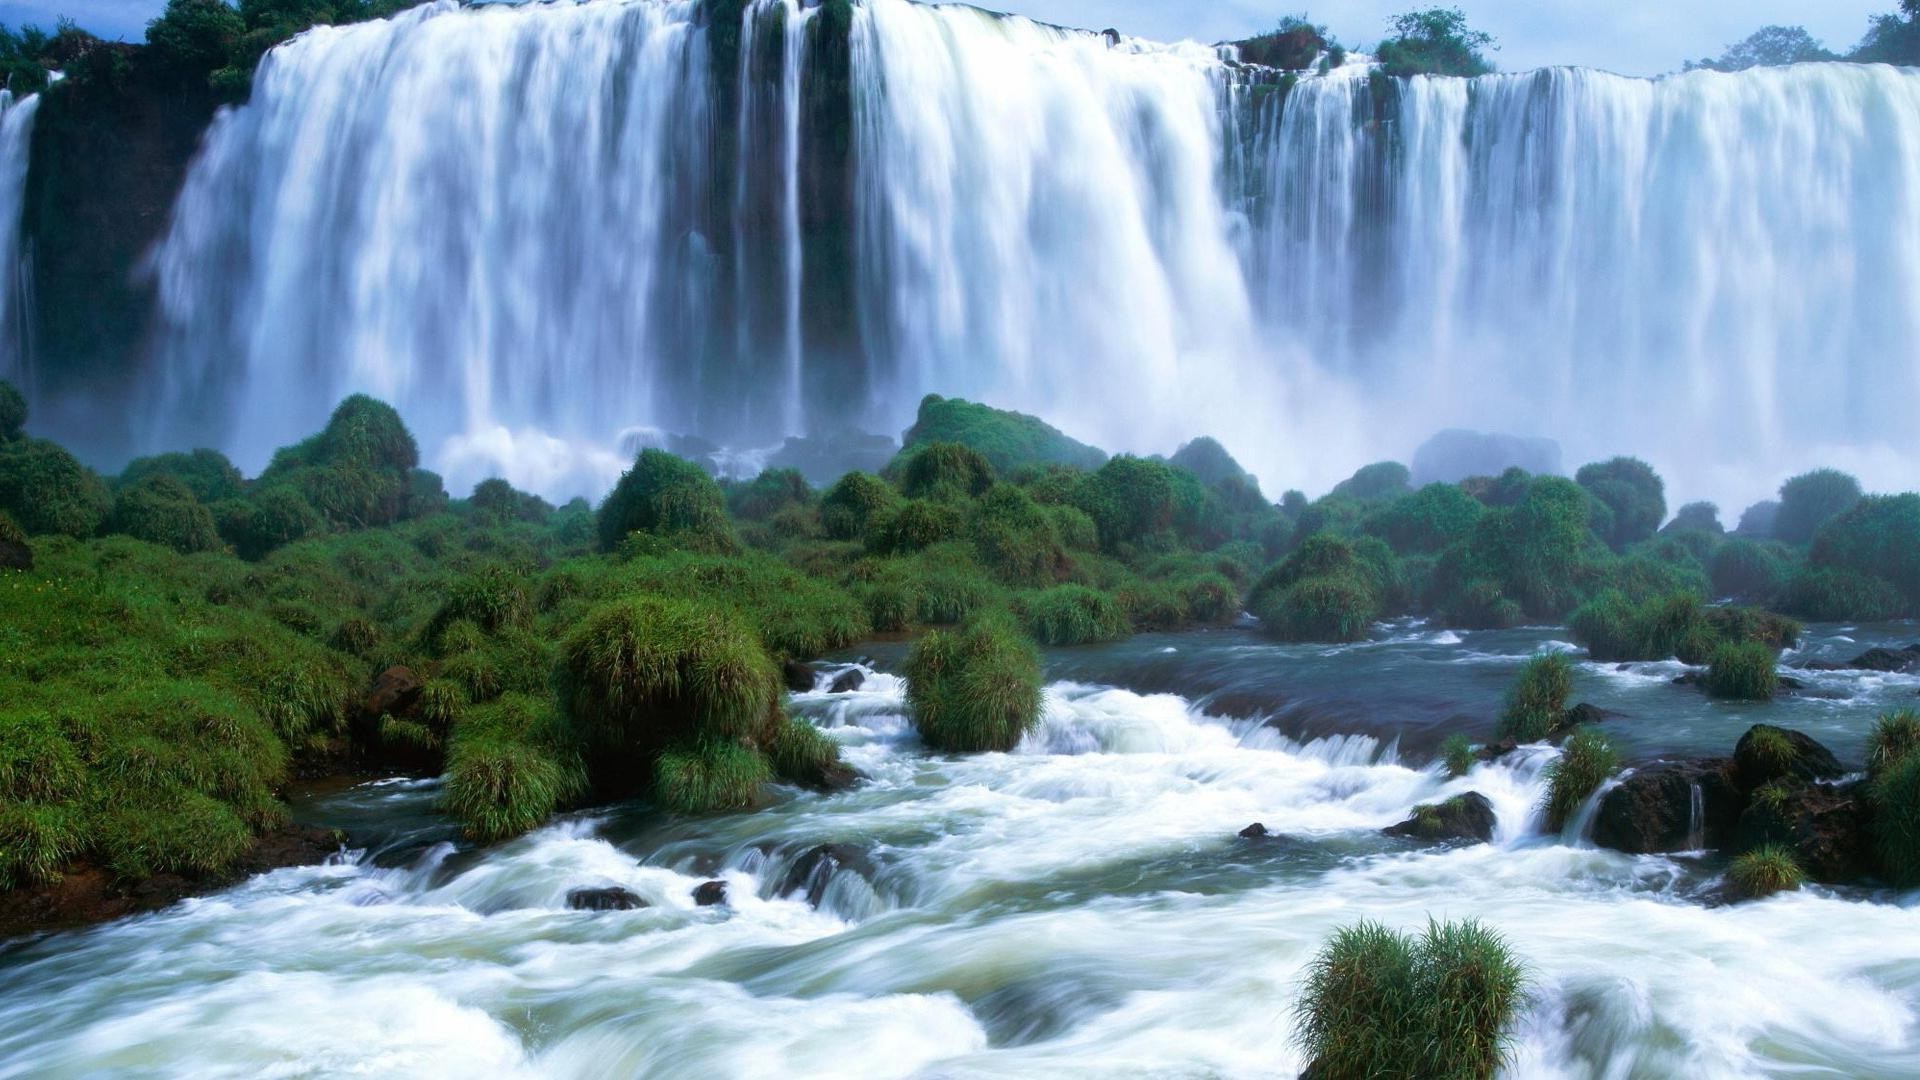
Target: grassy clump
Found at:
x=1895, y=799
x=1020, y=540
x=1765, y=871
x=943, y=471
x=207, y=474
x=47, y=490
x=974, y=689
x=773, y=491
x=1329, y=589
x=1583, y=765
x=1614, y=628
x=1427, y=521
x=1381, y=1003
x=1075, y=615
x=1456, y=754
x=1006, y=440
x=913, y=525
x=1379, y=482
x=803, y=754
x=1536, y=705
x=1810, y=500
x=852, y=503
x=1633, y=494
x=1743, y=672
x=709, y=777
x=1878, y=537
x=1748, y=569
x=1834, y=594
x=664, y=494
x=510, y=765
x=267, y=519
x=162, y=510
x=357, y=472
x=1895, y=737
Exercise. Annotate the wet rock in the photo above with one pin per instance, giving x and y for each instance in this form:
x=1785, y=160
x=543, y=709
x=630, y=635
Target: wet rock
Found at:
x=1255, y=831
x=799, y=676
x=1112, y=36
x=710, y=894
x=812, y=872
x=607, y=899
x=395, y=692
x=1467, y=817
x=1494, y=751
x=848, y=681
x=15, y=554
x=1585, y=713
x=1652, y=809
x=1767, y=753
x=1893, y=661
x=1824, y=825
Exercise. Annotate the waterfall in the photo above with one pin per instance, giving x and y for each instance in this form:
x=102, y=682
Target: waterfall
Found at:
x=536, y=228
x=16, y=135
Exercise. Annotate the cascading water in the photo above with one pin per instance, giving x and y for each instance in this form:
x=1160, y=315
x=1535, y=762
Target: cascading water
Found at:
x=16, y=135
x=535, y=228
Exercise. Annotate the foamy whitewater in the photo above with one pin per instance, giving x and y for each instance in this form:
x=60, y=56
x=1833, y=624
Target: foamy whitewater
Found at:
x=532, y=229
x=1079, y=907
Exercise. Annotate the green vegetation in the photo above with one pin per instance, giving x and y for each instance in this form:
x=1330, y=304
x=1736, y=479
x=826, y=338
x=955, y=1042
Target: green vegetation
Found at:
x=1328, y=590
x=1076, y=615
x=1743, y=672
x=666, y=495
x=1769, y=46
x=974, y=689
x=1877, y=537
x=1895, y=798
x=1585, y=762
x=1436, y=41
x=1633, y=496
x=1006, y=440
x=1381, y=1003
x=1536, y=706
x=1677, y=625
x=1765, y=871
x=1456, y=753
x=1895, y=736
x=1810, y=500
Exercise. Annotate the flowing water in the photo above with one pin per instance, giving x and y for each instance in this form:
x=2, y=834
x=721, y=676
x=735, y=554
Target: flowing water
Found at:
x=16, y=134
x=537, y=228
x=1080, y=907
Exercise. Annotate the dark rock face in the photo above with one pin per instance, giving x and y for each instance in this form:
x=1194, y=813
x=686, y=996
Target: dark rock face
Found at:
x=1467, y=817
x=710, y=894
x=1824, y=825
x=15, y=555
x=1584, y=713
x=848, y=682
x=814, y=871
x=395, y=692
x=608, y=899
x=1255, y=831
x=799, y=676
x=1896, y=661
x=1799, y=757
x=1651, y=810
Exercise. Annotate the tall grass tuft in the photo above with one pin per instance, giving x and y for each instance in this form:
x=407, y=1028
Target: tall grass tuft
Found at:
x=974, y=689
x=1583, y=765
x=1536, y=704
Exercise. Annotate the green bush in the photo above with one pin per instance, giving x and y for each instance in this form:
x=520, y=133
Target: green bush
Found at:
x=1076, y=615
x=1831, y=594
x=852, y=503
x=1536, y=705
x=162, y=510
x=1381, y=481
x=1380, y=1003
x=1007, y=440
x=493, y=598
x=663, y=494
x=709, y=777
x=1456, y=754
x=510, y=765
x=1583, y=765
x=943, y=470
x=1895, y=736
x=357, y=472
x=1131, y=500
x=13, y=412
x=206, y=473
x=1895, y=799
x=47, y=490
x=1633, y=492
x=1878, y=536
x=1329, y=608
x=1765, y=871
x=1748, y=569
x=769, y=493
x=498, y=503
x=803, y=754
x=1536, y=552
x=1743, y=672
x=1696, y=517
x=1427, y=521
x=974, y=689
x=1018, y=539
x=913, y=525
x=1810, y=500
x=266, y=519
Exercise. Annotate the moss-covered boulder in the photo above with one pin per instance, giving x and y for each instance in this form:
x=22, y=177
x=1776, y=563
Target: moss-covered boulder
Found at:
x=1466, y=817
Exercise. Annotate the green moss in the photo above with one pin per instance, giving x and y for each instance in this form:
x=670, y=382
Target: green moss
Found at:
x=1765, y=871
x=1075, y=615
x=1585, y=762
x=1536, y=704
x=974, y=689
x=709, y=778
x=47, y=490
x=1743, y=672
x=1895, y=736
x=1006, y=440
x=162, y=510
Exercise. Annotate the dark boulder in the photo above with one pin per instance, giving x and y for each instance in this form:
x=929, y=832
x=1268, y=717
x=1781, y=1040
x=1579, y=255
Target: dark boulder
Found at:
x=812, y=872
x=1652, y=808
x=1767, y=753
x=848, y=681
x=14, y=553
x=1584, y=713
x=607, y=899
x=395, y=692
x=1112, y=36
x=799, y=676
x=1494, y=751
x=710, y=893
x=1893, y=661
x=1255, y=831
x=1467, y=817
x=1824, y=825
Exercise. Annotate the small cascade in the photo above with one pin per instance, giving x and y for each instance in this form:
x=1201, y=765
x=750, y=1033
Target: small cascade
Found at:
x=1696, y=820
x=1579, y=830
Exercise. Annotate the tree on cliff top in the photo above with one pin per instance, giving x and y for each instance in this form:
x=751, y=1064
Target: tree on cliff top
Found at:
x=1436, y=41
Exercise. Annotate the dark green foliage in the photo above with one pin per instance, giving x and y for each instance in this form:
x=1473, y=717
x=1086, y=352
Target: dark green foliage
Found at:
x=1457, y=755
x=511, y=764
x=1075, y=615
x=974, y=689
x=1895, y=798
x=1748, y=569
x=427, y=494
x=1832, y=594
x=1522, y=561
x=709, y=777
x=1769, y=46
x=663, y=494
x=492, y=598
x=803, y=754
x=1131, y=501
x=1743, y=672
x=769, y=493
x=357, y=472
x=1380, y=1003
x=1019, y=540
x=1810, y=500
x=206, y=473
x=943, y=470
x=1764, y=871
x=1878, y=535
x=1536, y=705
x=1633, y=492
x=1007, y=440
x=267, y=518
x=47, y=490
x=1427, y=521
x=1585, y=762
x=195, y=37
x=1895, y=737
x=850, y=505
x=13, y=412
x=1375, y=483
x=498, y=503
x=162, y=510
x=1207, y=459
x=913, y=525
x=1696, y=517
x=1436, y=41
x=1325, y=591
x=1614, y=628
x=1293, y=46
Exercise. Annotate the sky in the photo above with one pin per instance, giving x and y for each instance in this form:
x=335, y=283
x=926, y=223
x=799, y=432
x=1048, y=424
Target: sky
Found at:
x=1635, y=37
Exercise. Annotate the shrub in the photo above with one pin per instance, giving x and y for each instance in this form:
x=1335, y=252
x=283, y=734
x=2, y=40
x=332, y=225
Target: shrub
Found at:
x=1210, y=599
x=47, y=490
x=1747, y=569
x=13, y=412
x=510, y=765
x=357, y=471
x=851, y=504
x=1583, y=765
x=1206, y=459
x=974, y=689
x=493, y=598
x=267, y=518
x=1017, y=538
x=1895, y=798
x=709, y=777
x=206, y=473
x=1880, y=536
x=1006, y=440
x=1829, y=594
x=1895, y=736
x=1700, y=517
x=1743, y=672
x=913, y=525
x=162, y=510
x=1536, y=704
x=1131, y=501
x=663, y=494
x=1456, y=754
x=1075, y=615
x=1378, y=482
x=803, y=754
x=1381, y=1003
x=1535, y=551
x=1810, y=500
x=1764, y=871
x=498, y=503
x=37, y=841
x=1633, y=492
x=769, y=493
x=1427, y=521
x=1327, y=608
x=943, y=470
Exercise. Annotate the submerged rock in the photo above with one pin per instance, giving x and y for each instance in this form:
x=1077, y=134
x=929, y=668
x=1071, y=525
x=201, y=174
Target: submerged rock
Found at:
x=710, y=894
x=812, y=872
x=1585, y=713
x=799, y=676
x=1255, y=831
x=607, y=899
x=1893, y=661
x=1824, y=825
x=1468, y=817
x=1767, y=753
x=848, y=681
x=1653, y=809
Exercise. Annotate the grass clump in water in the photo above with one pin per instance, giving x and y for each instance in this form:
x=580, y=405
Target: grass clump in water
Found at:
x=1764, y=871
x=510, y=766
x=1076, y=615
x=1457, y=755
x=1743, y=673
x=1585, y=763
x=1536, y=705
x=1895, y=737
x=974, y=689
x=709, y=777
